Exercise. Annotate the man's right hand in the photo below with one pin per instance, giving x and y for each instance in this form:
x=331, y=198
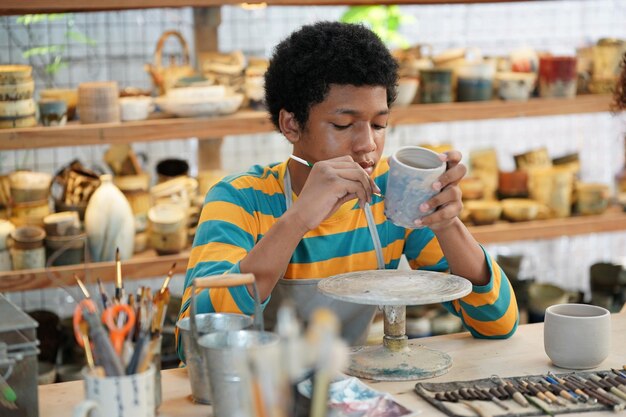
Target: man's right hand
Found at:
x=330, y=184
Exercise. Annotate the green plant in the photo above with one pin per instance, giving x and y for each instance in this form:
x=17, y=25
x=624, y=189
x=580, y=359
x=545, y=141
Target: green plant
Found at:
x=385, y=21
x=47, y=60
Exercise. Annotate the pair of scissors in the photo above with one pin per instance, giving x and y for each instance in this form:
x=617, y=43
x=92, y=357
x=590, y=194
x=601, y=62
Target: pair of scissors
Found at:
x=113, y=317
x=117, y=332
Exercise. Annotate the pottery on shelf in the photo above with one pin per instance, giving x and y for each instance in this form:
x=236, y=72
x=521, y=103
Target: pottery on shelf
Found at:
x=109, y=223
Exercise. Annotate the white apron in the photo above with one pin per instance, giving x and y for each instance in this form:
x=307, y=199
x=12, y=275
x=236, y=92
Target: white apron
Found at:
x=355, y=318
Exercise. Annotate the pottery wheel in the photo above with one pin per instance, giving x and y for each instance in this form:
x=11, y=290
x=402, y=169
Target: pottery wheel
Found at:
x=396, y=359
x=395, y=288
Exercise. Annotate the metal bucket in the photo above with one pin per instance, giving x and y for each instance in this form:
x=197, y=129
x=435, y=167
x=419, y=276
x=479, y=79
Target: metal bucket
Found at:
x=196, y=364
x=244, y=369
x=194, y=326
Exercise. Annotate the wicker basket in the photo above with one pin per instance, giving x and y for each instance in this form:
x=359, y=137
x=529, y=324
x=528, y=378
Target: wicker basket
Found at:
x=165, y=78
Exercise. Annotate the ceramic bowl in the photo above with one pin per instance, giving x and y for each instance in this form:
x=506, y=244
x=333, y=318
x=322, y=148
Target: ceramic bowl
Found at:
x=15, y=74
x=519, y=209
x=201, y=92
x=135, y=108
x=515, y=85
x=592, y=198
x=484, y=212
x=167, y=218
x=20, y=91
x=69, y=96
x=472, y=188
x=65, y=223
x=29, y=186
x=52, y=112
x=407, y=88
x=201, y=107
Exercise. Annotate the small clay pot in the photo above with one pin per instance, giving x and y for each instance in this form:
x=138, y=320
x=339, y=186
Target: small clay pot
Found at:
x=171, y=168
x=513, y=184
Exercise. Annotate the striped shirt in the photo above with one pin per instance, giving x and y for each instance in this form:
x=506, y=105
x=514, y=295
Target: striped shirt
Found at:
x=240, y=209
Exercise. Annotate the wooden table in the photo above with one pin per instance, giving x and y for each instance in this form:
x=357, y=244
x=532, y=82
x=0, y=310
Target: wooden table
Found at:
x=522, y=354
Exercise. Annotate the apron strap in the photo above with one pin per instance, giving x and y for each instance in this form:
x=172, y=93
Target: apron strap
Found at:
x=369, y=216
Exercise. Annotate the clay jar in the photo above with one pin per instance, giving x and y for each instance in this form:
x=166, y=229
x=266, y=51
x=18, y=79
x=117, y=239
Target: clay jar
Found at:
x=557, y=76
x=52, y=112
x=168, y=169
x=513, y=184
x=436, y=85
x=26, y=247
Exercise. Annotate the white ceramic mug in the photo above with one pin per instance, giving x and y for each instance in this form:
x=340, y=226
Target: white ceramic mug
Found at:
x=412, y=172
x=123, y=396
x=577, y=336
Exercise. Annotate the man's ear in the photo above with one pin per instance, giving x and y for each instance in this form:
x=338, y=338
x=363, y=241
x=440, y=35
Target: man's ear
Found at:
x=289, y=126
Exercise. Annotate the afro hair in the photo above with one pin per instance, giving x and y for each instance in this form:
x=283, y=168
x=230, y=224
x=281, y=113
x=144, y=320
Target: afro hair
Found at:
x=310, y=60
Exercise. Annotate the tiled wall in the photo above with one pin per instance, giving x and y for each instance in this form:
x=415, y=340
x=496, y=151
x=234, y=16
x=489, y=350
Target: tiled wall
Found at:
x=126, y=40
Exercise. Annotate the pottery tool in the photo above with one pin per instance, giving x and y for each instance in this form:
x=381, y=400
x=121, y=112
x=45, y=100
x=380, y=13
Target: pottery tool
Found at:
x=620, y=374
x=493, y=398
x=476, y=408
x=512, y=391
x=601, y=395
x=606, y=384
x=573, y=388
x=8, y=397
x=119, y=285
x=557, y=389
x=539, y=404
x=536, y=392
x=310, y=165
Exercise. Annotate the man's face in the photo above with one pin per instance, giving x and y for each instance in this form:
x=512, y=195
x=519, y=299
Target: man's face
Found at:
x=350, y=121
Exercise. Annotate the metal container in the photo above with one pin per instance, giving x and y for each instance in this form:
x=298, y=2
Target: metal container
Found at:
x=18, y=360
x=244, y=369
x=196, y=364
x=192, y=327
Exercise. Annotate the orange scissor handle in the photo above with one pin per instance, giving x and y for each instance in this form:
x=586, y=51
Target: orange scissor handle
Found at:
x=78, y=317
x=118, y=333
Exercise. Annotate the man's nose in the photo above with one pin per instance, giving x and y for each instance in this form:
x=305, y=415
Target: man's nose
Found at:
x=365, y=138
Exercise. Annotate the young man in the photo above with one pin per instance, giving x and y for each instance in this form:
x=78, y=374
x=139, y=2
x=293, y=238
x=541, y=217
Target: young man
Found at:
x=329, y=88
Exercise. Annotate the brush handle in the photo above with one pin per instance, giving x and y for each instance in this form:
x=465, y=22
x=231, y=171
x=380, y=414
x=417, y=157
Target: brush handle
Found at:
x=227, y=280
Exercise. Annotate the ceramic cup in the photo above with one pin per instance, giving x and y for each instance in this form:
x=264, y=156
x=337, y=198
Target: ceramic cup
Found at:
x=557, y=76
x=27, y=249
x=412, y=172
x=135, y=108
x=577, y=336
x=436, y=85
x=52, y=112
x=64, y=223
x=123, y=396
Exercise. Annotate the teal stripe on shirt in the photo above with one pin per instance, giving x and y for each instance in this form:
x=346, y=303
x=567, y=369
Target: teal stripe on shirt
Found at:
x=482, y=313
x=223, y=232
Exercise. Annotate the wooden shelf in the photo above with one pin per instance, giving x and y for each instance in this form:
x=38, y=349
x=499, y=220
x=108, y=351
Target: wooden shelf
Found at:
x=145, y=265
x=612, y=220
x=9, y=7
x=249, y=122
x=148, y=264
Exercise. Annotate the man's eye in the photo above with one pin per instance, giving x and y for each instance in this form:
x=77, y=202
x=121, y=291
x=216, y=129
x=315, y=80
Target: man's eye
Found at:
x=379, y=127
x=340, y=127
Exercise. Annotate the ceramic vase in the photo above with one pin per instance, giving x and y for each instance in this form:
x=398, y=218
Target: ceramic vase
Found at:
x=109, y=223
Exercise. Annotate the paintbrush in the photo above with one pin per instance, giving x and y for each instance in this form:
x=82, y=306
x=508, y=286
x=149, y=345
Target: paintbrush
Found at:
x=119, y=285
x=103, y=294
x=310, y=165
x=323, y=333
